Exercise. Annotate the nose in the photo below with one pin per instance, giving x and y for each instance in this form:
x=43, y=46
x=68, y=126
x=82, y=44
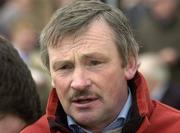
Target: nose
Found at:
x=80, y=80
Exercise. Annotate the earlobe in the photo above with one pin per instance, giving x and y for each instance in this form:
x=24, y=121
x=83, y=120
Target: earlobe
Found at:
x=131, y=68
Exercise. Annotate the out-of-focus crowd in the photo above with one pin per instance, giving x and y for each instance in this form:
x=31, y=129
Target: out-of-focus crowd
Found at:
x=156, y=25
x=21, y=21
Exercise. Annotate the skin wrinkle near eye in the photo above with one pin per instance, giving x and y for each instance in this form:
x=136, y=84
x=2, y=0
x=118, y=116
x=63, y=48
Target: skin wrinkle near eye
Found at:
x=57, y=65
x=87, y=59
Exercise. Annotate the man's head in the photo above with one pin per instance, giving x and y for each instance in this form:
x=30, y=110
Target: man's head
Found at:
x=90, y=52
x=19, y=98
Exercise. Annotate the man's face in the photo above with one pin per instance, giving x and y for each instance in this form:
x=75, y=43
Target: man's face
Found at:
x=88, y=76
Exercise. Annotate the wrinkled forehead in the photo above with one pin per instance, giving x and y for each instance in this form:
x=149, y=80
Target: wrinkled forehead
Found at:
x=98, y=31
x=85, y=42
x=98, y=38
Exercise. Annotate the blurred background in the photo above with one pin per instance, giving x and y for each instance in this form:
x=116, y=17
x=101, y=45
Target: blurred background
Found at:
x=156, y=27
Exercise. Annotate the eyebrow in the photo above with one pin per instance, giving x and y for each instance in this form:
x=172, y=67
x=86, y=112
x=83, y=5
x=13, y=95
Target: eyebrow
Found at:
x=95, y=55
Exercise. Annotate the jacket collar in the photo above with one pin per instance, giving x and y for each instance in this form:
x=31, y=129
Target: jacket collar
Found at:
x=141, y=107
x=142, y=96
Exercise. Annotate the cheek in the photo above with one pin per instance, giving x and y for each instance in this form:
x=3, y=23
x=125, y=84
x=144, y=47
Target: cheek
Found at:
x=62, y=87
x=115, y=86
x=116, y=93
x=114, y=83
x=113, y=77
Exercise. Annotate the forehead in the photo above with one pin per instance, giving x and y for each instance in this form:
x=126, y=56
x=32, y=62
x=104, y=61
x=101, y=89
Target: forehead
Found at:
x=98, y=36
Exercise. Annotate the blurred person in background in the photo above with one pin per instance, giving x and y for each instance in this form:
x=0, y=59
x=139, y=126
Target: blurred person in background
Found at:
x=19, y=100
x=38, y=10
x=114, y=3
x=171, y=58
x=134, y=10
x=56, y=4
x=24, y=39
x=158, y=77
x=160, y=26
x=11, y=11
x=92, y=57
x=61, y=3
x=159, y=30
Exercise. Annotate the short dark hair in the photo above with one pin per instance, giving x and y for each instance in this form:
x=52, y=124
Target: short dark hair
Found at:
x=18, y=94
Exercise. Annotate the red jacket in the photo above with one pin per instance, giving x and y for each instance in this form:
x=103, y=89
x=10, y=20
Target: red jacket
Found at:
x=146, y=116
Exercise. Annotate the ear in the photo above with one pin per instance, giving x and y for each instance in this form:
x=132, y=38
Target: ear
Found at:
x=131, y=68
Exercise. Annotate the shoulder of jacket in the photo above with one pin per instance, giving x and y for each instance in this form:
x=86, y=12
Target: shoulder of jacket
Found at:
x=40, y=126
x=165, y=112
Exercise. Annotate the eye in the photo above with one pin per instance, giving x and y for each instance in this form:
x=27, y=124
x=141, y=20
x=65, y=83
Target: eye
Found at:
x=94, y=62
x=65, y=67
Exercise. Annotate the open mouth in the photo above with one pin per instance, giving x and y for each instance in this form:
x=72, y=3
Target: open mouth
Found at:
x=84, y=99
